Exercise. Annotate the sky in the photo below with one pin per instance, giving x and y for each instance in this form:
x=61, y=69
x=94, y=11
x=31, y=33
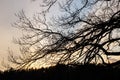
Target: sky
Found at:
x=8, y=9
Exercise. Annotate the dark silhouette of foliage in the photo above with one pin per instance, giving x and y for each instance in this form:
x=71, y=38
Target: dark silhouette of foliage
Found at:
x=64, y=72
x=87, y=36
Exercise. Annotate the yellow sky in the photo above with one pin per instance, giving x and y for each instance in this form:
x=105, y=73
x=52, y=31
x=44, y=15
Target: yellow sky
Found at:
x=8, y=8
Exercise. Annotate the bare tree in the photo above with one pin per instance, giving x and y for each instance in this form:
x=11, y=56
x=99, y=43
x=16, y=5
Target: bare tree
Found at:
x=88, y=33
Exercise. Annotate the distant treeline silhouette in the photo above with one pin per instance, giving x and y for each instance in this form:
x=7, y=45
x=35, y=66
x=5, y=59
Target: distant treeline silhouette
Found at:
x=64, y=72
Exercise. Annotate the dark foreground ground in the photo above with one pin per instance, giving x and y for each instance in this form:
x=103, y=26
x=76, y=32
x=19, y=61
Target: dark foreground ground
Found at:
x=64, y=72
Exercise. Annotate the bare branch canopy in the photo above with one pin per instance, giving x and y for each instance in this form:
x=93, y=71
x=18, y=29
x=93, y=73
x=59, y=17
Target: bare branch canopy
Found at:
x=82, y=34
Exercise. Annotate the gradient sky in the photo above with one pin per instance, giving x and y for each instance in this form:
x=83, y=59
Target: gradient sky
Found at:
x=8, y=8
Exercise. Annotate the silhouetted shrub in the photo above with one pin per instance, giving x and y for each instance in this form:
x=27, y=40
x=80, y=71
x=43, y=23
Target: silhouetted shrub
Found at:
x=64, y=72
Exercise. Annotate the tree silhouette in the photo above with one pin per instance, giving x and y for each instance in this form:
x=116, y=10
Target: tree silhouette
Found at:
x=64, y=72
x=84, y=34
